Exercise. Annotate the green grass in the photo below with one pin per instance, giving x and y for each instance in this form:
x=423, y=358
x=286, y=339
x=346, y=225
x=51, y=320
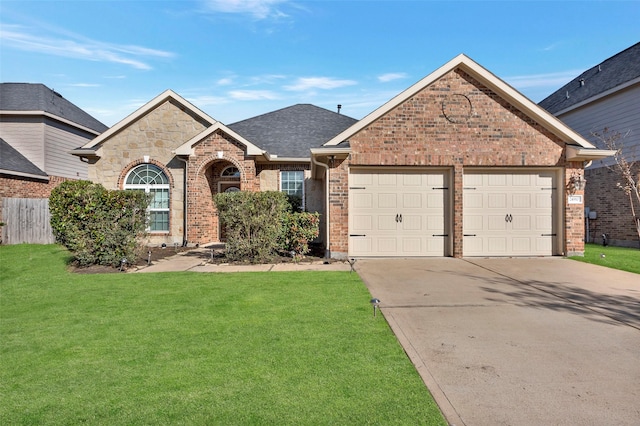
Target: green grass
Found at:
x=626, y=259
x=193, y=348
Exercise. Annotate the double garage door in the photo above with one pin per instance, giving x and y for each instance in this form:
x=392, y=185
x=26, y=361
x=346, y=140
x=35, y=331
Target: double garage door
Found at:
x=404, y=212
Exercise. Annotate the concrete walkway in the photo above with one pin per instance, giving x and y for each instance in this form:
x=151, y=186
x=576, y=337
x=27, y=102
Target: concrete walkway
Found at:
x=544, y=341
x=197, y=261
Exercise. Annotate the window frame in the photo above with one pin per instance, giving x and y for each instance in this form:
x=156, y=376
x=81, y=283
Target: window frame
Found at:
x=150, y=187
x=301, y=181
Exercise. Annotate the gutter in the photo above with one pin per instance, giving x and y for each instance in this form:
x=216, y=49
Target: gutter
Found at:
x=578, y=153
x=326, y=204
x=186, y=202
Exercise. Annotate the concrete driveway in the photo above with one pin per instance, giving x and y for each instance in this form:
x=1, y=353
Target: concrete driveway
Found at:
x=544, y=341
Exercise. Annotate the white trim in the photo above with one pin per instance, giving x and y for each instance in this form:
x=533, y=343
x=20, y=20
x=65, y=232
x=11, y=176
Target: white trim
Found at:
x=21, y=174
x=53, y=117
x=187, y=148
x=599, y=96
x=504, y=90
x=577, y=153
x=148, y=107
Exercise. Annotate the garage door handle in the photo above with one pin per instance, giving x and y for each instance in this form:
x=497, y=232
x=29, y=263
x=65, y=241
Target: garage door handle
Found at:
x=469, y=235
x=440, y=235
x=508, y=218
x=357, y=187
x=548, y=235
x=398, y=218
x=357, y=235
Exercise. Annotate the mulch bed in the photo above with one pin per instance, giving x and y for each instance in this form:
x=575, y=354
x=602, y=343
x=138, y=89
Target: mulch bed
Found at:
x=155, y=254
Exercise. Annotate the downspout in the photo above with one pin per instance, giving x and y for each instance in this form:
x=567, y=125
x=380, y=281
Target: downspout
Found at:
x=186, y=202
x=326, y=203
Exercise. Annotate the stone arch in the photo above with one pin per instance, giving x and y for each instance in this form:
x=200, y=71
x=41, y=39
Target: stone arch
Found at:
x=133, y=164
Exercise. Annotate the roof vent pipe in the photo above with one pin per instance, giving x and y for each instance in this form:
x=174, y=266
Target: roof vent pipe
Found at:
x=339, y=108
x=567, y=94
x=599, y=67
x=581, y=82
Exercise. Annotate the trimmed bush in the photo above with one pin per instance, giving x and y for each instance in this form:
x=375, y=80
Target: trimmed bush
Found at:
x=253, y=223
x=299, y=229
x=98, y=226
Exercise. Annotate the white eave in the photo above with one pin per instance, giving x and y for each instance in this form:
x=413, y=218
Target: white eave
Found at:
x=463, y=62
x=187, y=148
x=22, y=174
x=146, y=108
x=52, y=117
x=578, y=153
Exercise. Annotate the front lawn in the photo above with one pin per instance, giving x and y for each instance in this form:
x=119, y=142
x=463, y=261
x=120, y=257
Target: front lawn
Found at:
x=195, y=348
x=626, y=259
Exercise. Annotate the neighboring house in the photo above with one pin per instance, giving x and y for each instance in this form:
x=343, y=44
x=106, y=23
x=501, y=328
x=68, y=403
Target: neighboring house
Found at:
x=173, y=150
x=459, y=164
x=38, y=129
x=606, y=96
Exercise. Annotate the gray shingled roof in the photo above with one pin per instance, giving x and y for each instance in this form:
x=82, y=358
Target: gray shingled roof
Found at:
x=12, y=161
x=38, y=97
x=292, y=131
x=613, y=72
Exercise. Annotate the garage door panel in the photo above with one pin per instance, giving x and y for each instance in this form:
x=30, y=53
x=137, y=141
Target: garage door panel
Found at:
x=363, y=201
x=387, y=201
x=412, y=201
x=509, y=213
x=387, y=223
x=405, y=209
x=361, y=223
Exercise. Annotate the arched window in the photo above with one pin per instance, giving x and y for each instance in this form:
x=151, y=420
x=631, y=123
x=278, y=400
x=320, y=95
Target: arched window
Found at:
x=230, y=171
x=152, y=180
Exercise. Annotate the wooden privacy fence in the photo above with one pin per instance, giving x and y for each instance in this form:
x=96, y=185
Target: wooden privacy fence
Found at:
x=26, y=220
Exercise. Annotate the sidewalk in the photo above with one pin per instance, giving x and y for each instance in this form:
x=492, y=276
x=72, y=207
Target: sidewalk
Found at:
x=187, y=261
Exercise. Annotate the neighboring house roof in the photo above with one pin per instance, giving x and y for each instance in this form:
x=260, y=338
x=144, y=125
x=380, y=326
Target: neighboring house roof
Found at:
x=291, y=132
x=485, y=77
x=14, y=163
x=38, y=99
x=615, y=73
x=91, y=148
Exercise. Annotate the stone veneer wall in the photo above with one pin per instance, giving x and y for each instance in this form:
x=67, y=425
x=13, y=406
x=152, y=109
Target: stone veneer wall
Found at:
x=612, y=206
x=155, y=135
x=454, y=123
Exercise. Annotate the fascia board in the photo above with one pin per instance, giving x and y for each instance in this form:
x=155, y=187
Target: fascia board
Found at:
x=315, y=152
x=146, y=108
x=21, y=174
x=51, y=116
x=578, y=153
x=187, y=147
x=599, y=96
x=487, y=78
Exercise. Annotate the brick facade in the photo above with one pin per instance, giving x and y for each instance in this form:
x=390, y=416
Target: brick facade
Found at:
x=612, y=207
x=454, y=123
x=21, y=187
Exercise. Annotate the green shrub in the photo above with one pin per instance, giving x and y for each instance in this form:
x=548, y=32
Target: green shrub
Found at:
x=97, y=225
x=253, y=223
x=299, y=229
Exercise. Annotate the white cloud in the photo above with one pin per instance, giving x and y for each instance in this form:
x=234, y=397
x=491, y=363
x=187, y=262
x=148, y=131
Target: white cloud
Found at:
x=552, y=80
x=253, y=95
x=384, y=78
x=326, y=83
x=75, y=46
x=259, y=9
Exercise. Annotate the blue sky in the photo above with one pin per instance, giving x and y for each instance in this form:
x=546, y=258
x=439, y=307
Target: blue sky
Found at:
x=237, y=59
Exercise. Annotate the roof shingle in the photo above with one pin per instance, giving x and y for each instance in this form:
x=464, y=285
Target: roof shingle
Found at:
x=38, y=97
x=613, y=72
x=292, y=131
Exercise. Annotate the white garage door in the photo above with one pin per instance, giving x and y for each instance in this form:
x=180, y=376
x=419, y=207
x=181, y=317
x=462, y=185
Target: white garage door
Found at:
x=396, y=213
x=509, y=213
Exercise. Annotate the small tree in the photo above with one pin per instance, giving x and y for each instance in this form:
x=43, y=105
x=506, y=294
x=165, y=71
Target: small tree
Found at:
x=628, y=171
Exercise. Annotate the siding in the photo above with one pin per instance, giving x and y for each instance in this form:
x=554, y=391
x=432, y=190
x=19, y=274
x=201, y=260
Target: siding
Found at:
x=619, y=112
x=59, y=140
x=26, y=135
